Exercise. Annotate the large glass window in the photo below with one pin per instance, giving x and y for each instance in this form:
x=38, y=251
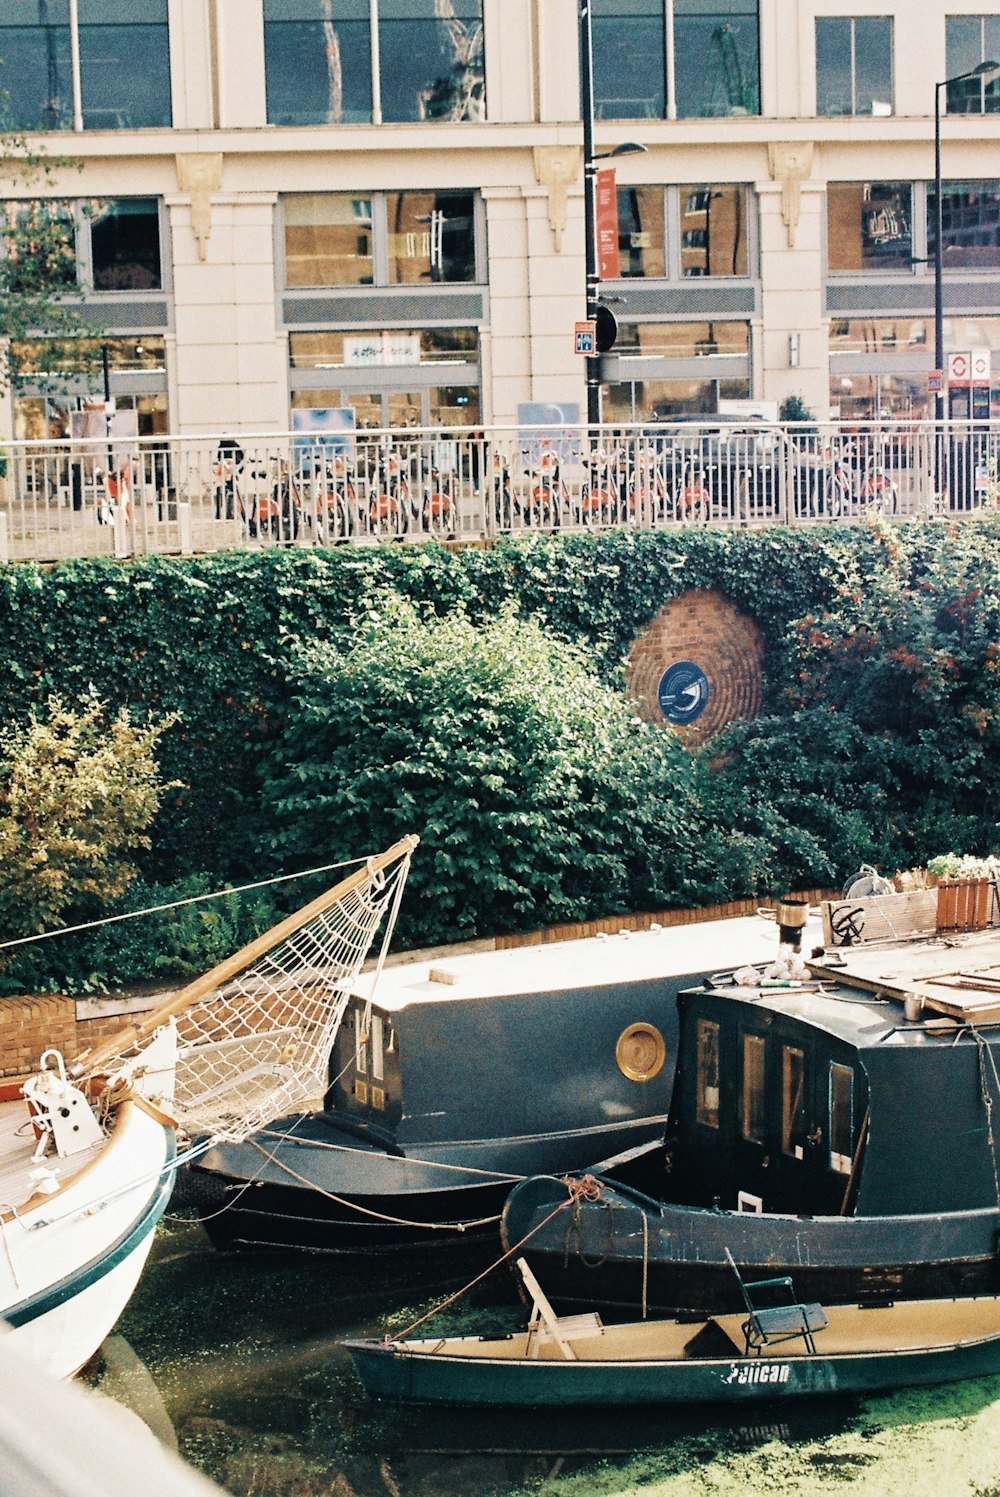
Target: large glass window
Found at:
x=125, y=245
x=709, y=230
x=105, y=245
x=396, y=238
x=682, y=340
x=869, y=225
x=324, y=65
x=124, y=50
x=317, y=60
x=431, y=237
x=970, y=223
x=971, y=40
x=431, y=59
x=39, y=239
x=328, y=350
x=716, y=50
x=328, y=240
x=715, y=58
x=641, y=243
x=629, y=59
x=714, y=230
x=854, y=65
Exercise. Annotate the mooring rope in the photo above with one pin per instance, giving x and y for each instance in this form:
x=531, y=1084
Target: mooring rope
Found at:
x=504, y=1257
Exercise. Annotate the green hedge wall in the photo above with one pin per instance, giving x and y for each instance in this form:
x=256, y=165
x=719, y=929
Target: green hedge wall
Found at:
x=882, y=667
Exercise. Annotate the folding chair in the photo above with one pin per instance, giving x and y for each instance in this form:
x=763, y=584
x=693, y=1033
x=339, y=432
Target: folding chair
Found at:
x=768, y=1324
x=545, y=1325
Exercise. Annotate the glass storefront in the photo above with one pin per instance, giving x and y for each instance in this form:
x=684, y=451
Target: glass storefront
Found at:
x=970, y=223
x=389, y=378
x=46, y=395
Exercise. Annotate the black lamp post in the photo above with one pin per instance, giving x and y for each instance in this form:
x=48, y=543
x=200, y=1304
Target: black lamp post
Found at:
x=982, y=70
x=590, y=161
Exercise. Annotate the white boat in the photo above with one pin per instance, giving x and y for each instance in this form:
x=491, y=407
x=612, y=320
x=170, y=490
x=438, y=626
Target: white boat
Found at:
x=88, y=1155
x=79, y=1202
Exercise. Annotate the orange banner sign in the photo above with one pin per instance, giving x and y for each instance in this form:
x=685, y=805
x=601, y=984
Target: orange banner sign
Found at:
x=606, y=219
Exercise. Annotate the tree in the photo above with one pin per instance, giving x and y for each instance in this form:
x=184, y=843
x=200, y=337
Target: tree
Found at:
x=43, y=332
x=77, y=793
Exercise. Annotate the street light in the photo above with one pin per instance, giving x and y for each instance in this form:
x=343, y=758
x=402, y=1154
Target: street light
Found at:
x=590, y=161
x=982, y=70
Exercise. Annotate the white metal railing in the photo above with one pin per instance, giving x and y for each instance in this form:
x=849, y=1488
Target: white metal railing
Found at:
x=182, y=495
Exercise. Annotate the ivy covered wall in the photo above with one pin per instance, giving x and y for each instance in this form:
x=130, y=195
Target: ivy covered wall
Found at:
x=328, y=699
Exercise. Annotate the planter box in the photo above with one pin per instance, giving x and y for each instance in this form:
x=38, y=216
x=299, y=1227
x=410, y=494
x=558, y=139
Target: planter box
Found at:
x=963, y=903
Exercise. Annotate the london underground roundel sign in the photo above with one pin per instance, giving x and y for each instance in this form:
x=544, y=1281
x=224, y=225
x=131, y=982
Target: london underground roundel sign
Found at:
x=683, y=692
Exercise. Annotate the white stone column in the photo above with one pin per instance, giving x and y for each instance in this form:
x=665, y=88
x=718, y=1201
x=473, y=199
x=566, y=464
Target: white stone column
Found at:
x=791, y=206
x=228, y=364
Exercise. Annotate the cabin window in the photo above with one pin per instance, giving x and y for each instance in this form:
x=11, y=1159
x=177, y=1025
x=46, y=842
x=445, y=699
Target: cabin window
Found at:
x=708, y=1073
x=841, y=1118
x=360, y=1042
x=378, y=1065
x=753, y=1101
x=793, y=1111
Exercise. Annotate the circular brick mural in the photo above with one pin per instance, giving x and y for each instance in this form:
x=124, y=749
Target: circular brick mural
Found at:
x=697, y=666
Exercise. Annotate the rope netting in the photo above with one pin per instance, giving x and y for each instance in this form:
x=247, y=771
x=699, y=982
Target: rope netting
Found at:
x=254, y=1034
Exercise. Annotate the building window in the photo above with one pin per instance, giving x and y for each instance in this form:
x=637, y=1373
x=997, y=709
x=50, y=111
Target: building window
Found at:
x=125, y=245
x=431, y=237
x=326, y=65
x=100, y=244
x=753, y=1100
x=328, y=240
x=714, y=231
x=869, y=226
x=854, y=65
x=641, y=234
x=716, y=68
x=389, y=239
x=971, y=40
x=124, y=72
x=707, y=1104
x=970, y=224
x=707, y=234
x=683, y=340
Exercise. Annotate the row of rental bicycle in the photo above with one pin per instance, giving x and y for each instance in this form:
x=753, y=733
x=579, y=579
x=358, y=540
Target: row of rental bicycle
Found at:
x=396, y=488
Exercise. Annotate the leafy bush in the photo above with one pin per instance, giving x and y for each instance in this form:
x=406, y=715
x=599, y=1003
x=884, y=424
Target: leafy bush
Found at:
x=168, y=944
x=538, y=796
x=78, y=791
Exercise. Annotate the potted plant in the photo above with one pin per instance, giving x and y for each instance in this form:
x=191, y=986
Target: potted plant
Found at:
x=964, y=885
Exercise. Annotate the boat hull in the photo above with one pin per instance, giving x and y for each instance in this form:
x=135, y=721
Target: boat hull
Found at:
x=395, y=1373
x=628, y=1252
x=73, y=1258
x=325, y=1191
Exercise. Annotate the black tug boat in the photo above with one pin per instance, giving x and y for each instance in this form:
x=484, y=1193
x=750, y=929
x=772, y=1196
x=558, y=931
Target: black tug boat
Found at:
x=462, y=1075
x=846, y=1133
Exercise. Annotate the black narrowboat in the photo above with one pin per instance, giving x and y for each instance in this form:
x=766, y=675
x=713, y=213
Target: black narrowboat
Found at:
x=461, y=1075
x=846, y=1133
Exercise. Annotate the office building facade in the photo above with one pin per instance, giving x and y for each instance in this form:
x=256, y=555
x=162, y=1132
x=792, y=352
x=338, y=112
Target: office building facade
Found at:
x=376, y=206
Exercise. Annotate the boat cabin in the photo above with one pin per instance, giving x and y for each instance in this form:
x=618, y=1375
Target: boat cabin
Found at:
x=872, y=1090
x=570, y=1036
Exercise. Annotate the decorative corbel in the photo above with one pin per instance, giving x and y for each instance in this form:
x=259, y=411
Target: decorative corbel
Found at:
x=200, y=175
x=790, y=163
x=555, y=168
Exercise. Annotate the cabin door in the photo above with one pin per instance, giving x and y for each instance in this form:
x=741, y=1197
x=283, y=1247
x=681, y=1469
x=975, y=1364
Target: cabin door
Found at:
x=781, y=1161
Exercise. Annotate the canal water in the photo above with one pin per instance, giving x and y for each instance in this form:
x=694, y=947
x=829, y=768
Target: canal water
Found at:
x=236, y=1362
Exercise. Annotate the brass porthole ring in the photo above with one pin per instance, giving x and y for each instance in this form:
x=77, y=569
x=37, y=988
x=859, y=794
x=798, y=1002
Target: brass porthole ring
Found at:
x=640, y=1052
